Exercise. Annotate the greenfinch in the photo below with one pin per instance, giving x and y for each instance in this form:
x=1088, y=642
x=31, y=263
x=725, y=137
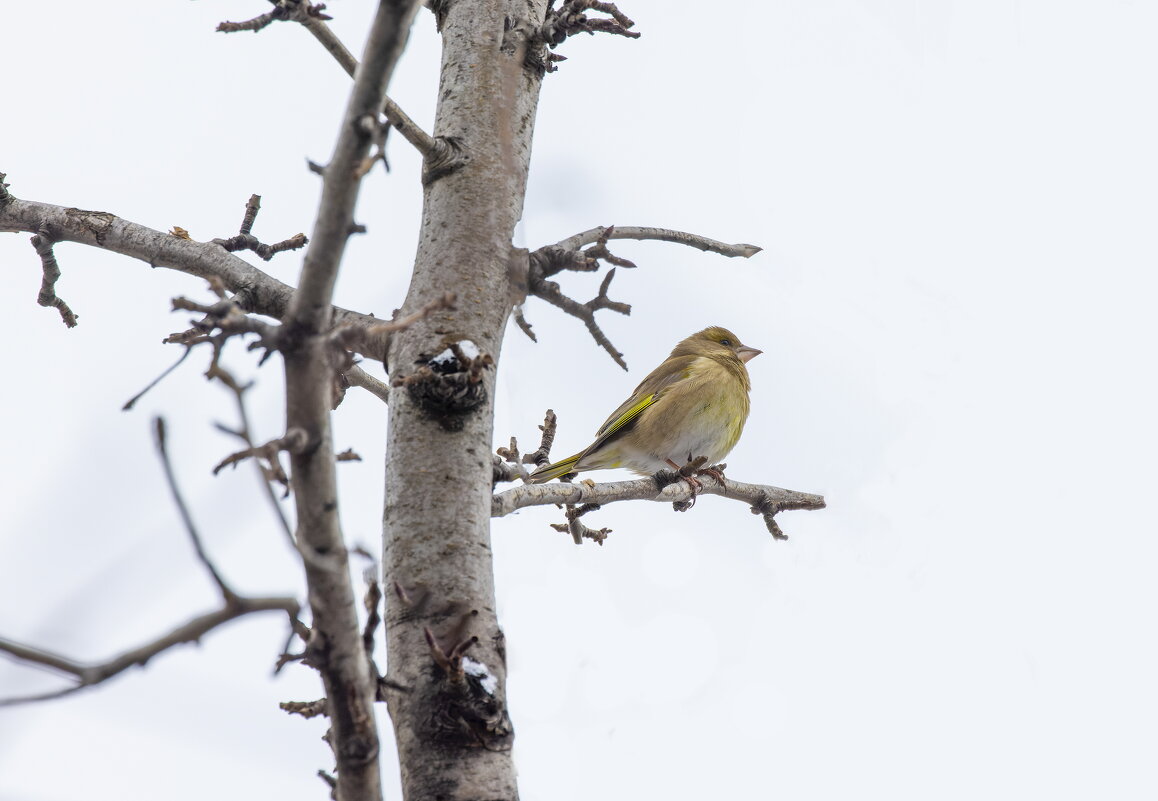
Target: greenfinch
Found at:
x=693, y=405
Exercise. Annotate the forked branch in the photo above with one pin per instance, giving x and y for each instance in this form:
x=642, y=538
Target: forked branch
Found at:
x=571, y=18
x=245, y=240
x=89, y=674
x=441, y=155
x=583, y=252
x=233, y=606
x=253, y=290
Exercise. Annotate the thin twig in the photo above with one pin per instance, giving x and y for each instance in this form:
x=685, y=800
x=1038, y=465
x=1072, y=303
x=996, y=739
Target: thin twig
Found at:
x=256, y=24
x=376, y=336
x=316, y=25
x=569, y=255
x=238, y=390
x=360, y=378
x=245, y=240
x=162, y=449
x=233, y=606
x=410, y=130
x=659, y=234
x=131, y=402
x=42, y=243
x=569, y=20
x=426, y=144
x=294, y=441
x=521, y=322
x=542, y=456
x=307, y=709
x=550, y=292
x=86, y=675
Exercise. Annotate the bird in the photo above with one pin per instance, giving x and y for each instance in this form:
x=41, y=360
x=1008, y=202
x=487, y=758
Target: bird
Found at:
x=693, y=405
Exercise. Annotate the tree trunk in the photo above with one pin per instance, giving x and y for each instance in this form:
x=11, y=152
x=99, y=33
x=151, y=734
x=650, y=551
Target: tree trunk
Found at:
x=454, y=735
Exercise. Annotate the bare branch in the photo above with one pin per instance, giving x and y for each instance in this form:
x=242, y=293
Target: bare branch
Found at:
x=233, y=606
x=252, y=207
x=543, y=455
x=42, y=243
x=341, y=181
x=577, y=528
x=294, y=441
x=187, y=519
x=522, y=323
x=569, y=20
x=440, y=153
x=430, y=148
x=503, y=470
x=336, y=648
x=86, y=675
x=255, y=291
x=361, y=337
x=245, y=240
x=264, y=251
x=660, y=234
x=256, y=24
x=307, y=709
x=301, y=11
x=226, y=316
x=371, y=602
x=426, y=144
x=360, y=378
x=764, y=499
x=244, y=433
x=312, y=20
x=569, y=255
x=550, y=292
x=508, y=464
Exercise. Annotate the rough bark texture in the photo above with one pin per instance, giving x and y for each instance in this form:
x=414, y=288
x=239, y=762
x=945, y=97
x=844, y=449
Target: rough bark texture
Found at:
x=336, y=647
x=453, y=732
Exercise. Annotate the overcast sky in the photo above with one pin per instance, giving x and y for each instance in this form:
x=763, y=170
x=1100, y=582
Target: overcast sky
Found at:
x=955, y=301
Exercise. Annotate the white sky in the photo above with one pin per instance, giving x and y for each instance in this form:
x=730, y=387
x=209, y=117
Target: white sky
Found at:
x=956, y=201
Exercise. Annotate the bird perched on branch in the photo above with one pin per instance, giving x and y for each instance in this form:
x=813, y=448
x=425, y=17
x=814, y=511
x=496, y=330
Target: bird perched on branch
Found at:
x=693, y=405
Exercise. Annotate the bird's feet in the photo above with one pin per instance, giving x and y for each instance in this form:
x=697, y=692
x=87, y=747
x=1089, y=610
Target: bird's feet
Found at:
x=716, y=471
x=688, y=473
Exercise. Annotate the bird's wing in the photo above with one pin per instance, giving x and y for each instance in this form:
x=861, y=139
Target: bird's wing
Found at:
x=649, y=391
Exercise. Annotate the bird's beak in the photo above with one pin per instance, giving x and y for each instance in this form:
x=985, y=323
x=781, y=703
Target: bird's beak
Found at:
x=747, y=354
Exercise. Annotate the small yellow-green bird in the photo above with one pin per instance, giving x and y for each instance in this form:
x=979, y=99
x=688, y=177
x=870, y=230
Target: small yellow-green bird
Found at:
x=692, y=405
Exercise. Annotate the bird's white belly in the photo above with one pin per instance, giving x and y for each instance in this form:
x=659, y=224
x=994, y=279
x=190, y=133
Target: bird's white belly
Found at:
x=699, y=435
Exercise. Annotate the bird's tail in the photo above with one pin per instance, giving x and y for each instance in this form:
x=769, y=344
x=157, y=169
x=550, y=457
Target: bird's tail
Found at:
x=555, y=469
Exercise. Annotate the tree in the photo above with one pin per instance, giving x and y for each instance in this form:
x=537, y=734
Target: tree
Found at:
x=445, y=687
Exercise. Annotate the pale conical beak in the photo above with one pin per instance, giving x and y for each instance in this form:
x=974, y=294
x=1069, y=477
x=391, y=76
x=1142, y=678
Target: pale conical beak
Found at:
x=747, y=354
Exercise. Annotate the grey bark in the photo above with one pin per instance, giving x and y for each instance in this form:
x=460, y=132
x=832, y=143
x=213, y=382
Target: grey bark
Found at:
x=454, y=736
x=336, y=646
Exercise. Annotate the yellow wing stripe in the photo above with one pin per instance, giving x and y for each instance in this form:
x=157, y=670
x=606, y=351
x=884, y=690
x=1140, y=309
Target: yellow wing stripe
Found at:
x=627, y=416
x=550, y=471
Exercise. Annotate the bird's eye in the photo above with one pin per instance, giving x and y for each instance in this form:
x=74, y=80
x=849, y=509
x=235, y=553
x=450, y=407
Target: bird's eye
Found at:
x=726, y=341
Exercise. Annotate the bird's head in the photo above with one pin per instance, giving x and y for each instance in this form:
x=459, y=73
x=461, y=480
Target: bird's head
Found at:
x=716, y=341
